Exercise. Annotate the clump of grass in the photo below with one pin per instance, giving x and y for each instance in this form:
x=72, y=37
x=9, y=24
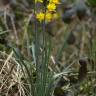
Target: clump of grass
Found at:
x=11, y=82
x=31, y=69
x=41, y=51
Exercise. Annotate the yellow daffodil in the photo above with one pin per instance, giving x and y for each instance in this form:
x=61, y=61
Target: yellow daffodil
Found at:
x=55, y=16
x=40, y=16
x=48, y=17
x=41, y=1
x=51, y=7
x=54, y=1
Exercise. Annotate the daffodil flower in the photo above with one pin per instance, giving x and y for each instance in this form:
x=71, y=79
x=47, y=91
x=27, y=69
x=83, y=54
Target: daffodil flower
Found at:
x=54, y=1
x=41, y=1
x=48, y=17
x=51, y=7
x=40, y=16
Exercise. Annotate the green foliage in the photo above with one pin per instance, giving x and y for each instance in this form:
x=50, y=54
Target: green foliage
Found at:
x=92, y=3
